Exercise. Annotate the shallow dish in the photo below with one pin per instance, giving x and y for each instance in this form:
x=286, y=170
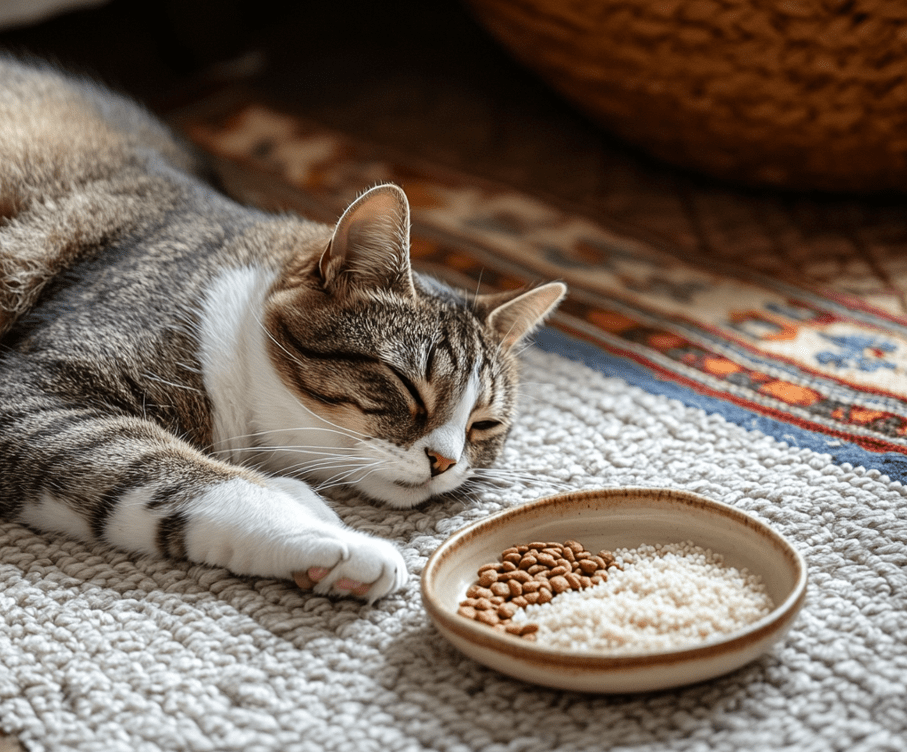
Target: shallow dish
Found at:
x=609, y=519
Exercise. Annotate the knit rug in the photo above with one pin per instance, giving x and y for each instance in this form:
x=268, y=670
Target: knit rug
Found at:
x=104, y=651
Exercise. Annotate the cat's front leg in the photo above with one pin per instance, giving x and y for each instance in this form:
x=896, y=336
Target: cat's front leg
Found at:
x=284, y=529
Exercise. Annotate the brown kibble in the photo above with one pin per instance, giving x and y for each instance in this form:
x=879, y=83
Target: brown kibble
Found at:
x=547, y=560
x=530, y=573
x=488, y=577
x=527, y=561
x=529, y=636
x=501, y=588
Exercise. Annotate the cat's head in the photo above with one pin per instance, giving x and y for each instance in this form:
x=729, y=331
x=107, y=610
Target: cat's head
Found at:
x=413, y=384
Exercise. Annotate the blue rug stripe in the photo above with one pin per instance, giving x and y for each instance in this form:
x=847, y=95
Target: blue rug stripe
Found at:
x=551, y=340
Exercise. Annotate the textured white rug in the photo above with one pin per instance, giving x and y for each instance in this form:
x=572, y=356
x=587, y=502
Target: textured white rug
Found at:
x=102, y=652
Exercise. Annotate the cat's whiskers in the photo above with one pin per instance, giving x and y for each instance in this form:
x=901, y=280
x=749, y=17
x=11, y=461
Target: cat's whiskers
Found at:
x=501, y=476
x=293, y=448
x=329, y=461
x=158, y=379
x=299, y=429
x=342, y=478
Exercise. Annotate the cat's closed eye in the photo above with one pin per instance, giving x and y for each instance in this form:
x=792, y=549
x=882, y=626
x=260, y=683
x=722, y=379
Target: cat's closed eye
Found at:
x=484, y=425
x=409, y=386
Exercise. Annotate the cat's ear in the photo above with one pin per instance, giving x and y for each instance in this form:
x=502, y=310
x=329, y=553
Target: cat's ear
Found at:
x=514, y=315
x=370, y=245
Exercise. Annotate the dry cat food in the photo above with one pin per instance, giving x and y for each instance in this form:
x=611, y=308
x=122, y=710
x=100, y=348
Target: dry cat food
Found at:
x=530, y=574
x=648, y=598
x=660, y=597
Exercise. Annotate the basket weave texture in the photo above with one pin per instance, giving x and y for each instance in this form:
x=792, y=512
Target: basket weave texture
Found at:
x=804, y=94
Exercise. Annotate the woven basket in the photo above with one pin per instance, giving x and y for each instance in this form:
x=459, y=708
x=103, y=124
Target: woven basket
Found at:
x=804, y=94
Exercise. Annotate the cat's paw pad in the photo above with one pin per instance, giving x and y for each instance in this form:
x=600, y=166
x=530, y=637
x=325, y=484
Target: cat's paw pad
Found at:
x=372, y=569
x=344, y=586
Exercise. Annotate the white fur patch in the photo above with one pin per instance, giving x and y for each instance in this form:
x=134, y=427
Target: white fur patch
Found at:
x=54, y=516
x=132, y=525
x=230, y=331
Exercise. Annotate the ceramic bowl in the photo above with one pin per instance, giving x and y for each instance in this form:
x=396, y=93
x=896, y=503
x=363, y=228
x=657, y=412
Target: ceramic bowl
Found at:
x=609, y=519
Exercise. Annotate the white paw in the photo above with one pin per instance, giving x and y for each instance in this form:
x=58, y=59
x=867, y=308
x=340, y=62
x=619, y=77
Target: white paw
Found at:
x=371, y=568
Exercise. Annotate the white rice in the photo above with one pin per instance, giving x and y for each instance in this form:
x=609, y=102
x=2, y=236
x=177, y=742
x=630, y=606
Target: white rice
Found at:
x=666, y=597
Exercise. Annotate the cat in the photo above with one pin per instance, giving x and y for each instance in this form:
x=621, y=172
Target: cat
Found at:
x=179, y=372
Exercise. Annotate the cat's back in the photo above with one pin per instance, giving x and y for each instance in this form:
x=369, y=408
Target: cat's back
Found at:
x=58, y=130
x=91, y=182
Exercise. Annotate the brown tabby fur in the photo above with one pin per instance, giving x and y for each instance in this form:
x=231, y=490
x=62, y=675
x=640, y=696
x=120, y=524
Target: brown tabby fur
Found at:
x=170, y=359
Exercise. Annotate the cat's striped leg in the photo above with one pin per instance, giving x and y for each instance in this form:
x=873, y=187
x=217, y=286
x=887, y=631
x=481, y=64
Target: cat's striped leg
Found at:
x=131, y=484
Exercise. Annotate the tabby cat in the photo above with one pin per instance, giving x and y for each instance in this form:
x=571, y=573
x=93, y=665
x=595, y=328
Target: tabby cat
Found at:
x=176, y=369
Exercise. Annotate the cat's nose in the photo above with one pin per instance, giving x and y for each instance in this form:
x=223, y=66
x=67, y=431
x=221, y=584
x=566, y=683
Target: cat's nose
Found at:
x=439, y=463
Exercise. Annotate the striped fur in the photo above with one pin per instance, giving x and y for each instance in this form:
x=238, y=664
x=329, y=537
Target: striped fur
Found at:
x=179, y=374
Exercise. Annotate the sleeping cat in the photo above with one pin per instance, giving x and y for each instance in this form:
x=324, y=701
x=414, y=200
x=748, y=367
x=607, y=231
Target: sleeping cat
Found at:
x=177, y=369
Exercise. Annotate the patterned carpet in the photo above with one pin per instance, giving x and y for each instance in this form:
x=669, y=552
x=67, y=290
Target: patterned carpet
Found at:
x=793, y=321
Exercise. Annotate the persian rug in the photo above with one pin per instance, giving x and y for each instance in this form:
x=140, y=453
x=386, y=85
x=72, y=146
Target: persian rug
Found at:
x=816, y=359
x=645, y=379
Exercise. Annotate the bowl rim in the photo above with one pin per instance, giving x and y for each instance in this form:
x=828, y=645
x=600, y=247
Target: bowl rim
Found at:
x=778, y=619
